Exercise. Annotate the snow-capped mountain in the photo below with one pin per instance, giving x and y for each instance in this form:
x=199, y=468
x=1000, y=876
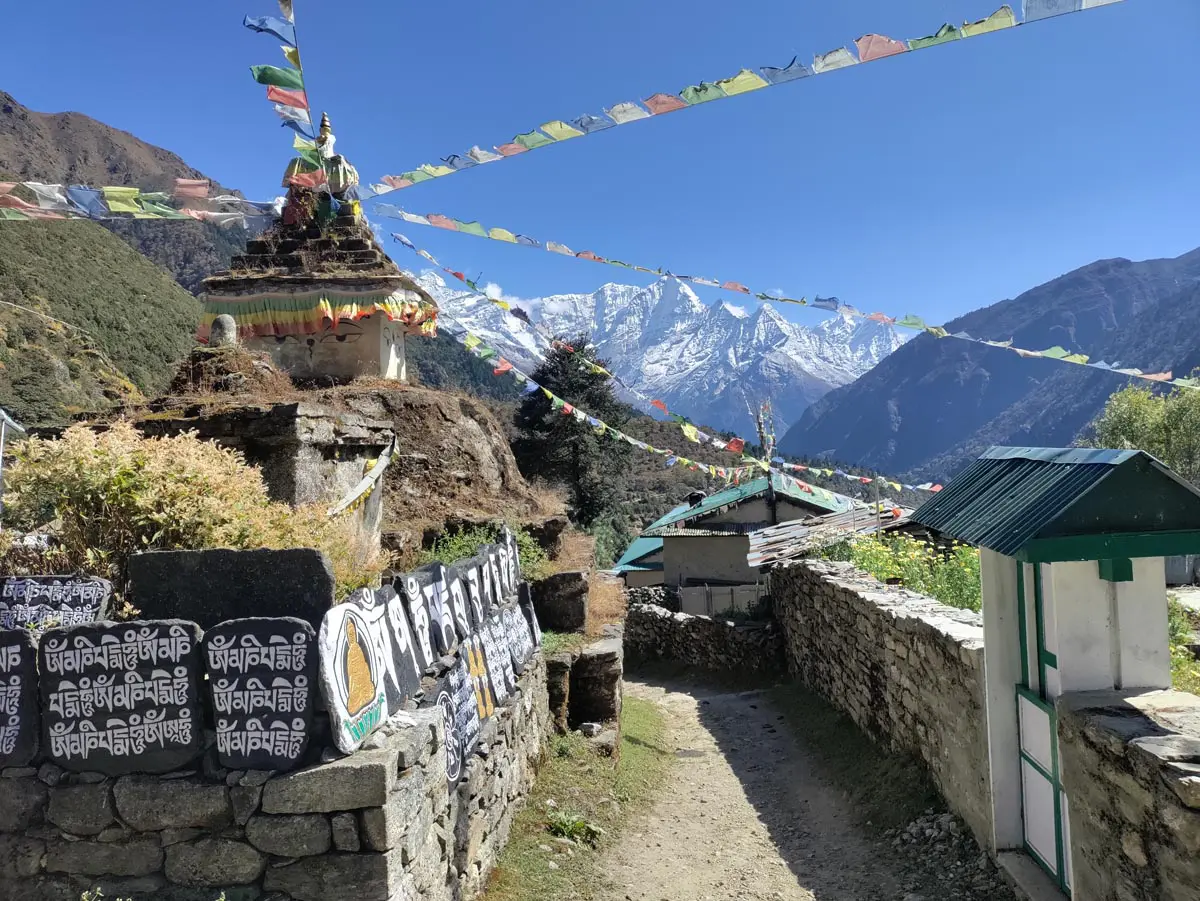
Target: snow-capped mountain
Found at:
x=711, y=363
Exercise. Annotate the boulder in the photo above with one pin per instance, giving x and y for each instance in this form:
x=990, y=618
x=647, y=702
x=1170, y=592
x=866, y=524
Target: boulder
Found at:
x=211, y=586
x=561, y=602
x=595, y=689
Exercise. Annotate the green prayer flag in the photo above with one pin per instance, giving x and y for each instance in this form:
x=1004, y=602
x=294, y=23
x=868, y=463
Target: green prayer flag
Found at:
x=280, y=78
x=1056, y=353
x=1081, y=359
x=701, y=93
x=310, y=156
x=911, y=321
x=532, y=140
x=944, y=34
x=471, y=228
x=162, y=210
x=556, y=403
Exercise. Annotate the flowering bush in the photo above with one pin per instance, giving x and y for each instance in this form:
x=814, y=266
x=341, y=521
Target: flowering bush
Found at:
x=107, y=494
x=951, y=577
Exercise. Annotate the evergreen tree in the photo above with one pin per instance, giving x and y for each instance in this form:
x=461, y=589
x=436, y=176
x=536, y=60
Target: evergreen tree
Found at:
x=558, y=447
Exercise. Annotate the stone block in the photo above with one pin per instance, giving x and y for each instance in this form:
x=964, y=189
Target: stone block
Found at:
x=22, y=803
x=81, y=809
x=290, y=835
x=138, y=857
x=358, y=877
x=20, y=856
x=245, y=800
x=362, y=780
x=561, y=601
x=595, y=693
x=149, y=804
x=558, y=684
x=211, y=586
x=345, y=832
x=214, y=862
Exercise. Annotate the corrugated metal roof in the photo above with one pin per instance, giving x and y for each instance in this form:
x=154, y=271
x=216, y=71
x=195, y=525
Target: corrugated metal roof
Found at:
x=792, y=540
x=1010, y=496
x=786, y=486
x=643, y=546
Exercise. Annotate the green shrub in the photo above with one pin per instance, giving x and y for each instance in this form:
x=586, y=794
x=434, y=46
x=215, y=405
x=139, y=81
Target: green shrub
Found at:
x=453, y=546
x=951, y=577
x=108, y=494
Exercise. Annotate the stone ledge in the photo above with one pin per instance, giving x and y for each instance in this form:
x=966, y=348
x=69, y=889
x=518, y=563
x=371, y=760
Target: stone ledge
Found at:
x=361, y=780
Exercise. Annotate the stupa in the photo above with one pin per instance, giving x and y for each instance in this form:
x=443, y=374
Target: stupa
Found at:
x=316, y=291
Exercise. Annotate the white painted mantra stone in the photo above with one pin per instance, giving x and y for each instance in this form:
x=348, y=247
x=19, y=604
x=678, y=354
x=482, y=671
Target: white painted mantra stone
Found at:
x=42, y=602
x=19, y=714
x=499, y=659
x=455, y=697
x=262, y=678
x=520, y=640
x=122, y=698
x=370, y=663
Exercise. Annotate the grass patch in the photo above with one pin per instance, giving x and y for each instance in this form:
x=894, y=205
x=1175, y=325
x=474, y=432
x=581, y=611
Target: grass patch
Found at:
x=885, y=789
x=1181, y=622
x=554, y=642
x=606, y=603
x=592, y=801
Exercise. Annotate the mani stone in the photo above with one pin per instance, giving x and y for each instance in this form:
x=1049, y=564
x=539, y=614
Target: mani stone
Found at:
x=224, y=331
x=561, y=602
x=212, y=586
x=19, y=717
x=119, y=737
x=263, y=726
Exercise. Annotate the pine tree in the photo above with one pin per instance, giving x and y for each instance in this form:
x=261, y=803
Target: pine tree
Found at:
x=559, y=447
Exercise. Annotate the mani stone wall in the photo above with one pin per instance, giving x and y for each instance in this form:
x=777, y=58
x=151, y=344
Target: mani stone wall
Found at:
x=383, y=824
x=1131, y=768
x=908, y=671
x=655, y=633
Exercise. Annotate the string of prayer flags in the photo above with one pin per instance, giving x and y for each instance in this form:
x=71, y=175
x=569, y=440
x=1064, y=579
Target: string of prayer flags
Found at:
x=830, y=304
x=285, y=84
x=868, y=48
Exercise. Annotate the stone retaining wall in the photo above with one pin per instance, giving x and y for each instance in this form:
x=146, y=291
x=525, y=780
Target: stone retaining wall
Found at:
x=1131, y=768
x=908, y=671
x=380, y=825
x=654, y=633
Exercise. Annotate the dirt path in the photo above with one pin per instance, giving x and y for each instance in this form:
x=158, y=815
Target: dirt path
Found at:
x=745, y=816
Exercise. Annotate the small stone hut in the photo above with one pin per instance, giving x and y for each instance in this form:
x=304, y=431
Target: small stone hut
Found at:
x=316, y=291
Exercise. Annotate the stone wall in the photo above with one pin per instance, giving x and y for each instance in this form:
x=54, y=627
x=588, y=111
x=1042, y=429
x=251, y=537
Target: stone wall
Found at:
x=380, y=825
x=908, y=671
x=654, y=633
x=1130, y=765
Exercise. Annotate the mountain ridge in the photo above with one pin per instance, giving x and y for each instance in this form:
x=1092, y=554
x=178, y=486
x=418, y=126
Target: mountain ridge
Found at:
x=713, y=363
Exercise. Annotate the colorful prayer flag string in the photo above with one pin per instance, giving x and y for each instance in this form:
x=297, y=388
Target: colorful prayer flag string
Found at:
x=831, y=304
x=869, y=48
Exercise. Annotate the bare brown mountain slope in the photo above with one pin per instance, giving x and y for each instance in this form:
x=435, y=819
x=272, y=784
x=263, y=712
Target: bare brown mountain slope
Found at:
x=71, y=148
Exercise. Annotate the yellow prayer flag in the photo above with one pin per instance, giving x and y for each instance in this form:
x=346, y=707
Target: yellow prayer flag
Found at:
x=502, y=234
x=741, y=83
x=560, y=130
x=292, y=55
x=435, y=171
x=122, y=200
x=1001, y=18
x=299, y=142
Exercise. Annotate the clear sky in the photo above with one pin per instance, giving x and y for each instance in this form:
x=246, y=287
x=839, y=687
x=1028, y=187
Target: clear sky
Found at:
x=932, y=183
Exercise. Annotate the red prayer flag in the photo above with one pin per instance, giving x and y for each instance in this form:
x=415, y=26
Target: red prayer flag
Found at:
x=442, y=221
x=736, y=445
x=191, y=187
x=567, y=410
x=865, y=481
x=307, y=179
x=395, y=181
x=511, y=149
x=503, y=367
x=663, y=103
x=588, y=255
x=286, y=97
x=659, y=404
x=936, y=488
x=736, y=286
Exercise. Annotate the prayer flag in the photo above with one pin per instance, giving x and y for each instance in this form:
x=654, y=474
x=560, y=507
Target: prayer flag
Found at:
x=194, y=187
x=560, y=131
x=441, y=221
x=502, y=234
x=49, y=197
x=1044, y=9
x=479, y=155
x=502, y=367
x=555, y=247
x=403, y=240
x=396, y=182
x=659, y=404
x=532, y=140
x=280, y=78
x=294, y=114
x=744, y=82
x=626, y=112
x=122, y=200
x=735, y=286
x=87, y=200
x=877, y=46
x=1000, y=19
x=701, y=93
x=298, y=99
x=588, y=123
x=285, y=7
x=941, y=36
x=828, y=303
x=435, y=171
x=658, y=104
x=511, y=149
x=910, y=321
x=458, y=163
x=834, y=59
x=735, y=445
x=292, y=55
x=793, y=70
x=285, y=31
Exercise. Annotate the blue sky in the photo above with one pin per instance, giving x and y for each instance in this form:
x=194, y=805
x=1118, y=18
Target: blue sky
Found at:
x=933, y=183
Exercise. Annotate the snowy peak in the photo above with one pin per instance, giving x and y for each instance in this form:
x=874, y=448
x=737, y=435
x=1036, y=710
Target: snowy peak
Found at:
x=707, y=362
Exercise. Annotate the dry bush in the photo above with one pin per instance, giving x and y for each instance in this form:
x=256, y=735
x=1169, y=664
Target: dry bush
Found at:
x=576, y=551
x=551, y=500
x=606, y=603
x=106, y=495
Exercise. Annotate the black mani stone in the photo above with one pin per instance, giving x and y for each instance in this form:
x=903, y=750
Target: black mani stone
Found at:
x=262, y=678
x=121, y=698
x=19, y=717
x=43, y=602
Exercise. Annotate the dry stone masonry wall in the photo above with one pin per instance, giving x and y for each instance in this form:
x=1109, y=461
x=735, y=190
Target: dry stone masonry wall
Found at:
x=1131, y=768
x=908, y=671
x=654, y=633
x=160, y=759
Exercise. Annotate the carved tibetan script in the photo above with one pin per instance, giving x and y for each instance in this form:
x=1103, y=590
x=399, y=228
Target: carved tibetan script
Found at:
x=122, y=698
x=262, y=676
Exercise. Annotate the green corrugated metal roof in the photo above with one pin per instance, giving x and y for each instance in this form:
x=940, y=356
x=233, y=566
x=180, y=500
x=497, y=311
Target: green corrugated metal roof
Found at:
x=643, y=546
x=820, y=499
x=1012, y=495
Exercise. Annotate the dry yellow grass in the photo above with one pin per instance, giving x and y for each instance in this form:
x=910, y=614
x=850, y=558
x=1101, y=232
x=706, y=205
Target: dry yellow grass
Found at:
x=576, y=552
x=606, y=603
